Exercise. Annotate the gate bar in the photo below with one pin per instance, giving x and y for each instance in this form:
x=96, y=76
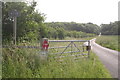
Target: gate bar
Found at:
x=66, y=52
x=68, y=40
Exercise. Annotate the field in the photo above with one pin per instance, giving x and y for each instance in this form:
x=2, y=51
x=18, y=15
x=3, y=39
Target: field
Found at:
x=109, y=42
x=26, y=63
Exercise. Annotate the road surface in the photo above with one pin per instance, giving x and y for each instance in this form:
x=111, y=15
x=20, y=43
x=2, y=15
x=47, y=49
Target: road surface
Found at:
x=108, y=57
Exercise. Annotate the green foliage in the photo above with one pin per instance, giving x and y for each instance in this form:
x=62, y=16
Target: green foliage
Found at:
x=110, y=29
x=26, y=63
x=70, y=68
x=77, y=34
x=111, y=42
x=87, y=28
x=61, y=33
x=61, y=30
x=52, y=33
x=28, y=23
x=19, y=63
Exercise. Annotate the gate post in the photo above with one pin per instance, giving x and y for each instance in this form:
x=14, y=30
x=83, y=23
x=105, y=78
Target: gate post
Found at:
x=89, y=48
x=44, y=49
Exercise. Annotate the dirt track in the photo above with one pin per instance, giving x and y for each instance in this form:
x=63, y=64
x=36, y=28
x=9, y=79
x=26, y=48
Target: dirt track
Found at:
x=108, y=57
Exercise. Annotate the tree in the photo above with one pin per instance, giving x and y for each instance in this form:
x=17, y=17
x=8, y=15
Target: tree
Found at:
x=110, y=29
x=29, y=23
x=61, y=34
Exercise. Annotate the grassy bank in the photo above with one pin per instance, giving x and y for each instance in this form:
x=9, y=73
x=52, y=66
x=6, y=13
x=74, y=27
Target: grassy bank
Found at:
x=109, y=42
x=26, y=63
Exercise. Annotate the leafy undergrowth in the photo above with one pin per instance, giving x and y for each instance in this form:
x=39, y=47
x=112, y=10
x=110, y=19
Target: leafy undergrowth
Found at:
x=26, y=63
x=109, y=42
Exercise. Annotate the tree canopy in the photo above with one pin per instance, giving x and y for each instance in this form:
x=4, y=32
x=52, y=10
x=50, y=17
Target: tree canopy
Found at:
x=110, y=29
x=72, y=26
x=29, y=23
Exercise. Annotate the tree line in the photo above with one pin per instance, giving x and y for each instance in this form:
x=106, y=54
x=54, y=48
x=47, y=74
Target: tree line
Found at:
x=31, y=25
x=71, y=29
x=61, y=33
x=110, y=29
x=71, y=26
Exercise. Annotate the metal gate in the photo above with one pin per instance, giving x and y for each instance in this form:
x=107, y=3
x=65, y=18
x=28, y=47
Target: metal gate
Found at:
x=80, y=49
x=84, y=50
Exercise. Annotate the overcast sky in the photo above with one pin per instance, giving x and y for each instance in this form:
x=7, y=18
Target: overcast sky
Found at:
x=80, y=11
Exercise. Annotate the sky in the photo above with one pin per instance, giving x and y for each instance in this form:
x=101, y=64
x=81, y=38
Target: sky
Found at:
x=80, y=11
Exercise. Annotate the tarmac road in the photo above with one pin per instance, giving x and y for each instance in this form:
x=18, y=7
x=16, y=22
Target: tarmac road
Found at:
x=108, y=57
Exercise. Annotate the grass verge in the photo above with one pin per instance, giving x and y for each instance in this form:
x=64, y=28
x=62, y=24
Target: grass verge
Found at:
x=26, y=63
x=109, y=42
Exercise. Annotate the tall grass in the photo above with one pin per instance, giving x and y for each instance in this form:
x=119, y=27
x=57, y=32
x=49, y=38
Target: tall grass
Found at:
x=109, y=42
x=26, y=63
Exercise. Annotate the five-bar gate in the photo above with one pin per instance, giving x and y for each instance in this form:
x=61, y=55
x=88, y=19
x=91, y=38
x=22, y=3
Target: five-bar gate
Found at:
x=71, y=46
x=81, y=49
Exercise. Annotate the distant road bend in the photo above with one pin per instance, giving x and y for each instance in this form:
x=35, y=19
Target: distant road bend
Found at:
x=108, y=57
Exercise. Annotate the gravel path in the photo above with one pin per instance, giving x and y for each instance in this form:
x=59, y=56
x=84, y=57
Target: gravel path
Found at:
x=108, y=57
